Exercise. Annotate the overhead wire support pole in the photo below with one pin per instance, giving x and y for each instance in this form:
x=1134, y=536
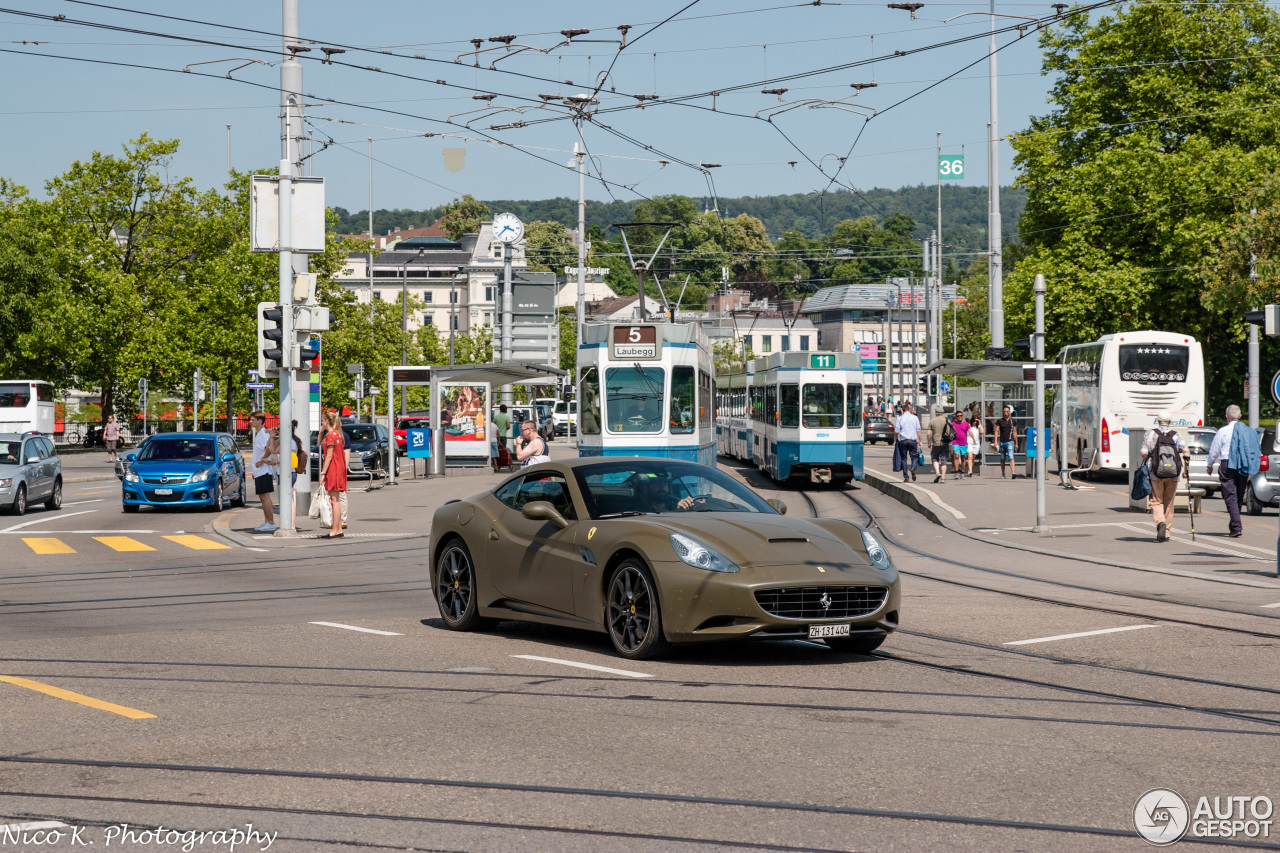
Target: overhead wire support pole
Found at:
x=580, y=153
x=995, y=260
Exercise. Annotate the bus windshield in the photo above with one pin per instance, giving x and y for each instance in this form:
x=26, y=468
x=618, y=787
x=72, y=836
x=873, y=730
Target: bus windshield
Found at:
x=1153, y=363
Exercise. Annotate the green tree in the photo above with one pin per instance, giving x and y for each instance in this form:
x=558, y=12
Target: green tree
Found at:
x=1134, y=175
x=549, y=246
x=463, y=216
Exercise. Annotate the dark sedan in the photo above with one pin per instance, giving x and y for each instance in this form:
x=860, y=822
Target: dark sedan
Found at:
x=370, y=443
x=877, y=428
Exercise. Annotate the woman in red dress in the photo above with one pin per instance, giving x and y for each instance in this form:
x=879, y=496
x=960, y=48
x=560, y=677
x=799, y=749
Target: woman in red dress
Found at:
x=333, y=471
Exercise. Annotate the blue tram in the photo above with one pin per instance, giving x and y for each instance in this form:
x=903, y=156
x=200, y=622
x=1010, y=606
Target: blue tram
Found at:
x=646, y=390
x=796, y=414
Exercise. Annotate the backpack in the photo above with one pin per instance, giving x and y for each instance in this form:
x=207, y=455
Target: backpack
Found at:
x=948, y=433
x=1166, y=461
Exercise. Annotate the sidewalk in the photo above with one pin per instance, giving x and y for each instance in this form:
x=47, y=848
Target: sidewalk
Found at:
x=1093, y=525
x=402, y=511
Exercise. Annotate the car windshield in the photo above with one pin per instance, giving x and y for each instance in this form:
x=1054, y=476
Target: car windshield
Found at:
x=177, y=450
x=10, y=452
x=1198, y=443
x=414, y=423
x=640, y=487
x=360, y=433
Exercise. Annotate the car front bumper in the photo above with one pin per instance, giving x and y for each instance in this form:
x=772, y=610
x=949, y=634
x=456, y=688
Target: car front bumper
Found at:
x=144, y=494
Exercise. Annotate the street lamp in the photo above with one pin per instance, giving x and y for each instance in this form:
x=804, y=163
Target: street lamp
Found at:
x=404, y=328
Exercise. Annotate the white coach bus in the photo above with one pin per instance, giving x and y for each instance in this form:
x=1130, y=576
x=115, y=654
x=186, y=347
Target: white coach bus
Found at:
x=26, y=405
x=1119, y=384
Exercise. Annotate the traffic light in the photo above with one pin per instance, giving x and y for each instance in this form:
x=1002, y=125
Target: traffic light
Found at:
x=929, y=384
x=1268, y=318
x=359, y=387
x=270, y=338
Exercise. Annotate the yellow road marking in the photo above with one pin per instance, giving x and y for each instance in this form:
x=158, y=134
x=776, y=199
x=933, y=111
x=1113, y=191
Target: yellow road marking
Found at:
x=49, y=546
x=59, y=693
x=199, y=543
x=123, y=543
x=107, y=492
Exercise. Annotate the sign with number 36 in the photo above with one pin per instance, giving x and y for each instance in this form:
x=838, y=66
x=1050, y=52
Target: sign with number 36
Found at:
x=951, y=167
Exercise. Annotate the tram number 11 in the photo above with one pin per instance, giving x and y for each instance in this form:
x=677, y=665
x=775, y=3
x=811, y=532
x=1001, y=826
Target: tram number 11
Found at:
x=822, y=362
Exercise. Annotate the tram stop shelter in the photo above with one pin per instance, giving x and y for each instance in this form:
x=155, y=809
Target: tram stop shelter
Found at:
x=496, y=374
x=1001, y=383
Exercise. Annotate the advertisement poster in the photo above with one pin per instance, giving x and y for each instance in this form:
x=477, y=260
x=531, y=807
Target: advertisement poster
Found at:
x=464, y=417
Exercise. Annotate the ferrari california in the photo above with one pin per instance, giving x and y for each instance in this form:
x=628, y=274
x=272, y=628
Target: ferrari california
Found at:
x=655, y=552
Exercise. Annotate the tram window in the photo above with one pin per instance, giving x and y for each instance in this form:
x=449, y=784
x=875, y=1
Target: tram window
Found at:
x=855, y=406
x=589, y=421
x=705, y=416
x=682, y=402
x=823, y=406
x=771, y=404
x=789, y=405
x=633, y=396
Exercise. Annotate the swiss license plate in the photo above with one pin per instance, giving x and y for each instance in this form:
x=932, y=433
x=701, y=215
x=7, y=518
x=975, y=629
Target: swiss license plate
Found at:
x=170, y=491
x=818, y=631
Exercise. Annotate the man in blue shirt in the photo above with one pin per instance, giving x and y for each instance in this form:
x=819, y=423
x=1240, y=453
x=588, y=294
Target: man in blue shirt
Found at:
x=907, y=430
x=1239, y=457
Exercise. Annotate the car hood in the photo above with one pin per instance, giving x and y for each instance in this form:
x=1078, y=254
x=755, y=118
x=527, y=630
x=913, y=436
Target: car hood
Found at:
x=756, y=539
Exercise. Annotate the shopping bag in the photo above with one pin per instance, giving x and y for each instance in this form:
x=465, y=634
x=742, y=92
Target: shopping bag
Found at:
x=897, y=459
x=919, y=458
x=325, y=508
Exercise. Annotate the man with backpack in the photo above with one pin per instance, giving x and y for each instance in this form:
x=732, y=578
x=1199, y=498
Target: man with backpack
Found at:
x=940, y=436
x=1167, y=457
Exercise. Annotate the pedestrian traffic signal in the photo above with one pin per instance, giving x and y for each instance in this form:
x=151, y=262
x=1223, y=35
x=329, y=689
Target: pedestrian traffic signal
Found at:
x=1268, y=318
x=270, y=339
x=929, y=384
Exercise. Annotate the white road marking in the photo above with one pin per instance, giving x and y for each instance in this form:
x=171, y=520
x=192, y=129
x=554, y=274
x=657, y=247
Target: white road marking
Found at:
x=1199, y=543
x=259, y=550
x=78, y=503
x=60, y=532
x=1081, y=634
x=591, y=666
x=30, y=827
x=1277, y=604
x=51, y=517
x=356, y=628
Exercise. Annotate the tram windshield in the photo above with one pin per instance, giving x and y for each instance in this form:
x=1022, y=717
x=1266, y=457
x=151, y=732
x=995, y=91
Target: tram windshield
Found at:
x=633, y=398
x=823, y=406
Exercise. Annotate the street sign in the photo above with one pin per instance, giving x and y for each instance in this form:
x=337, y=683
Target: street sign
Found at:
x=142, y=385
x=355, y=368
x=951, y=167
x=944, y=387
x=1275, y=387
x=822, y=362
x=260, y=386
x=253, y=373
x=419, y=443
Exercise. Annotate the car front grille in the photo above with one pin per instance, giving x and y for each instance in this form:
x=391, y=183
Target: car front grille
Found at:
x=169, y=481
x=152, y=496
x=806, y=602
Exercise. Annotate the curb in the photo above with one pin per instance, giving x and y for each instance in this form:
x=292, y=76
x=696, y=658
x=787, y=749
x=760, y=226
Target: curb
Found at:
x=912, y=498
x=88, y=478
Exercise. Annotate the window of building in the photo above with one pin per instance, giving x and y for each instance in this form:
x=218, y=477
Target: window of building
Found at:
x=428, y=320
x=377, y=295
x=786, y=343
x=804, y=343
x=766, y=343
x=746, y=344
x=488, y=318
x=453, y=321
x=488, y=294
x=426, y=296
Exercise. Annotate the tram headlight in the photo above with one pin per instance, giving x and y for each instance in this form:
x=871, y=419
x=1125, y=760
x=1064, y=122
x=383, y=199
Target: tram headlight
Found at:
x=875, y=551
x=695, y=554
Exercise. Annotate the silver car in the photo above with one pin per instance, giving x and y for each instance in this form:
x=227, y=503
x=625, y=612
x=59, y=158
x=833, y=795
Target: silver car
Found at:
x=1263, y=488
x=30, y=472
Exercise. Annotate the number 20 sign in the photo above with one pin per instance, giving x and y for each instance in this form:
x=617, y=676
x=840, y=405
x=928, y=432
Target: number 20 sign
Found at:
x=951, y=167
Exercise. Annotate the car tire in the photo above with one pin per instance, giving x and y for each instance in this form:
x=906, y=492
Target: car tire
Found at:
x=1251, y=503
x=455, y=589
x=633, y=614
x=131, y=508
x=240, y=499
x=863, y=645
x=19, y=506
x=55, y=497
x=217, y=504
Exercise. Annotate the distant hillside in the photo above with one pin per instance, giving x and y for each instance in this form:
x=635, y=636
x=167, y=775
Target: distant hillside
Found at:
x=964, y=212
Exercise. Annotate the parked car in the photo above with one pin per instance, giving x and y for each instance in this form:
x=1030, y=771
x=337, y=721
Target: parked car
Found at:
x=370, y=443
x=1198, y=441
x=1263, y=488
x=30, y=471
x=185, y=469
x=407, y=424
x=877, y=428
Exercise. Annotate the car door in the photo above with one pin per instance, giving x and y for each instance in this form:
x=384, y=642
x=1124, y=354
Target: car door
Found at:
x=53, y=465
x=534, y=561
x=226, y=470
x=38, y=481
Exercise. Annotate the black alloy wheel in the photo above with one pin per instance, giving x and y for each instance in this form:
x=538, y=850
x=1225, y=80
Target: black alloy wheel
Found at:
x=20, y=500
x=455, y=585
x=857, y=645
x=55, y=498
x=633, y=615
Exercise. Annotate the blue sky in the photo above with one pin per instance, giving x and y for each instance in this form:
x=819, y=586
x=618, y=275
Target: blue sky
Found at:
x=59, y=110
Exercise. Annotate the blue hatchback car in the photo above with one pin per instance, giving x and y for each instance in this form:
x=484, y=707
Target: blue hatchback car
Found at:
x=185, y=469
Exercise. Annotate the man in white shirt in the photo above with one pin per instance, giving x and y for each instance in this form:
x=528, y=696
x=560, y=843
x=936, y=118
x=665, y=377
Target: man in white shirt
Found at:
x=263, y=481
x=1232, y=482
x=907, y=430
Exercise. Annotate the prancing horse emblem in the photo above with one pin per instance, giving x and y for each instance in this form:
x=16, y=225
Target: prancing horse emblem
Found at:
x=825, y=601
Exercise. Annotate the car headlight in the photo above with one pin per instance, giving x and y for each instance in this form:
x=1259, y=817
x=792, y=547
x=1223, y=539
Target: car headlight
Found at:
x=201, y=476
x=699, y=556
x=6, y=483
x=132, y=477
x=875, y=551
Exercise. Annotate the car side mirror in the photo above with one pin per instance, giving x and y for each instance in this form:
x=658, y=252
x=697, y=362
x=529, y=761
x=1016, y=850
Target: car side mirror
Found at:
x=132, y=457
x=32, y=459
x=544, y=511
x=228, y=457
x=778, y=505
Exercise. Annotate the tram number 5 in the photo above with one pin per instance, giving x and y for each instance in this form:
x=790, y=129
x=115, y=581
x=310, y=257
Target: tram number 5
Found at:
x=633, y=337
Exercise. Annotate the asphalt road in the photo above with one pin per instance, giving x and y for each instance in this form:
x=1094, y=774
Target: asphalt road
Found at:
x=188, y=684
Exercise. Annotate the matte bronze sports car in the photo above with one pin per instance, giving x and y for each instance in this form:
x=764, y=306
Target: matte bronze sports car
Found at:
x=655, y=552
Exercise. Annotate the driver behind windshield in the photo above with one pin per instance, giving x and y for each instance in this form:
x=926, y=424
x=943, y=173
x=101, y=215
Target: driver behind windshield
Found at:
x=656, y=489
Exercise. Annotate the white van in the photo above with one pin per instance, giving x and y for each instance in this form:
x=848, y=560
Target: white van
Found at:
x=565, y=415
x=26, y=405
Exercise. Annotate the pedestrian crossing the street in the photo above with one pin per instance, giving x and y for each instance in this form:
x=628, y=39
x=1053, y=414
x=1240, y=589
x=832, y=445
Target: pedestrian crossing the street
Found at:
x=72, y=544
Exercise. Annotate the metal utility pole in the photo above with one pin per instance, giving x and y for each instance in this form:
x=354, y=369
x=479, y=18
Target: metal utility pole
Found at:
x=582, y=246
x=370, y=228
x=453, y=317
x=995, y=259
x=1253, y=351
x=1042, y=443
x=915, y=344
x=404, y=330
x=508, y=398
x=935, y=316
